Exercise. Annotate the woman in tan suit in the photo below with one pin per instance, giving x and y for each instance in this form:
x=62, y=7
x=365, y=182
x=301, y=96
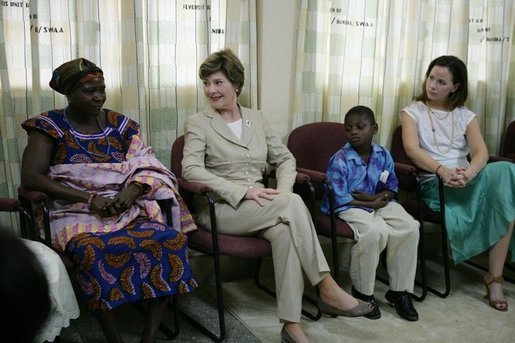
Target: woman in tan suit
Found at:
x=228, y=147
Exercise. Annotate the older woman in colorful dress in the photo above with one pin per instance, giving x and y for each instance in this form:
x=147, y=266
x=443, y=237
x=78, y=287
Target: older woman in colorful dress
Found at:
x=439, y=133
x=105, y=183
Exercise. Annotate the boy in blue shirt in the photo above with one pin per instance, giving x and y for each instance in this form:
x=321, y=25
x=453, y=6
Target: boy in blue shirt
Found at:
x=362, y=176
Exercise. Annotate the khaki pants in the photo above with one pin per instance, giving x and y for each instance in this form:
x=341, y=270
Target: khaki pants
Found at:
x=389, y=227
x=286, y=223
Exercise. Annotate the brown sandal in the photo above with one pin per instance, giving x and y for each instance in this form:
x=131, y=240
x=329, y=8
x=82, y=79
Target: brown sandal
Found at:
x=499, y=305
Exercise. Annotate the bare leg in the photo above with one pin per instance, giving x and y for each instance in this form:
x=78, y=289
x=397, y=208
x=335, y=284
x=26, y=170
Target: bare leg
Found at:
x=496, y=258
x=108, y=325
x=331, y=293
x=153, y=316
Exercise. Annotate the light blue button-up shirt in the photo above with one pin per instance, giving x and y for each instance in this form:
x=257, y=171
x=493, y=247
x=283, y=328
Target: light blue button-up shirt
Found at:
x=347, y=171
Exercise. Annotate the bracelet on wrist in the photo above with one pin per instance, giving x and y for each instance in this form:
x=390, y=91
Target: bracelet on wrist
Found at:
x=474, y=169
x=437, y=168
x=90, y=199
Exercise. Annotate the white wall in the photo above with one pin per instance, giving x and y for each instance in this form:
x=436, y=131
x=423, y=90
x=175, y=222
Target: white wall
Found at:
x=276, y=31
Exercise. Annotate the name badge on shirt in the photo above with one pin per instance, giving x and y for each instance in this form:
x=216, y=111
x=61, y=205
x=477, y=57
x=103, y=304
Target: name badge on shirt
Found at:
x=384, y=176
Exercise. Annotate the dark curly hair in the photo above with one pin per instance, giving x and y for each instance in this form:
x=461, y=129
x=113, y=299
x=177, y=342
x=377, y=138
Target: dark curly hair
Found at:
x=362, y=111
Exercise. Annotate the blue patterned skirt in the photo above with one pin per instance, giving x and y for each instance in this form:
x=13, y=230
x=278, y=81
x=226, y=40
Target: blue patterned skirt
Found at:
x=478, y=215
x=145, y=260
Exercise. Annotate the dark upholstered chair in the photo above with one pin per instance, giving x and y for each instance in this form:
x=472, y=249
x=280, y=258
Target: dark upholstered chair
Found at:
x=9, y=204
x=29, y=200
x=509, y=142
x=409, y=182
x=13, y=205
x=414, y=205
x=217, y=244
x=313, y=145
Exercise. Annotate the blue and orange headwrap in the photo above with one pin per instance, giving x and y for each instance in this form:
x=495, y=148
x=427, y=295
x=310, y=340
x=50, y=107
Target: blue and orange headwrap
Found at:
x=71, y=74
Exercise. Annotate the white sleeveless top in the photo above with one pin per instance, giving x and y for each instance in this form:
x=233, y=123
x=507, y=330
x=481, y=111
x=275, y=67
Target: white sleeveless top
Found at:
x=447, y=143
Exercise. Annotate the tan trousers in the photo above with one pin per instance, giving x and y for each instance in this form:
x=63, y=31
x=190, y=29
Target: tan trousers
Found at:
x=286, y=223
x=389, y=227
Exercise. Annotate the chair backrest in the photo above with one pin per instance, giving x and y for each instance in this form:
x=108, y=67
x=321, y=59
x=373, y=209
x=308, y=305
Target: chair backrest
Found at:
x=176, y=168
x=406, y=182
x=509, y=141
x=176, y=156
x=397, y=150
x=314, y=144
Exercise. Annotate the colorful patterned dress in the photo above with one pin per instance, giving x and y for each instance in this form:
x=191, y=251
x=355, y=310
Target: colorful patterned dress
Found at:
x=126, y=258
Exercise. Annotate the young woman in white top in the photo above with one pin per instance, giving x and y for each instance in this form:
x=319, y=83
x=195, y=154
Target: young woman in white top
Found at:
x=439, y=133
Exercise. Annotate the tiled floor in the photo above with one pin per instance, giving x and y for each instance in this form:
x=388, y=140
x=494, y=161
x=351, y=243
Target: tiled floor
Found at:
x=130, y=322
x=464, y=316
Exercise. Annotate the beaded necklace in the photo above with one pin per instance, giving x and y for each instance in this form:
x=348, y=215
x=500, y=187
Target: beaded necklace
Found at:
x=430, y=114
x=72, y=130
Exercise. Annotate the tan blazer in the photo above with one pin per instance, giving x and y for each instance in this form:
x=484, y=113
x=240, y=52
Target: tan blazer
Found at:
x=215, y=156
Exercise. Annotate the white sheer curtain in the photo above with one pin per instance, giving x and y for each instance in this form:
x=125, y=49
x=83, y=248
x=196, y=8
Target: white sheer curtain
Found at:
x=375, y=53
x=149, y=51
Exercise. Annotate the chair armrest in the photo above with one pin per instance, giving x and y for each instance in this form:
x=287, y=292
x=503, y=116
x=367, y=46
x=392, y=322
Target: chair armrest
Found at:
x=302, y=178
x=407, y=176
x=299, y=179
x=33, y=197
x=315, y=176
x=492, y=158
x=193, y=187
x=404, y=169
x=27, y=199
x=9, y=204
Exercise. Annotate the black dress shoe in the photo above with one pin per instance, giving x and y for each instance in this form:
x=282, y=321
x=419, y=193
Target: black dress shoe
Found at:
x=375, y=313
x=403, y=304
